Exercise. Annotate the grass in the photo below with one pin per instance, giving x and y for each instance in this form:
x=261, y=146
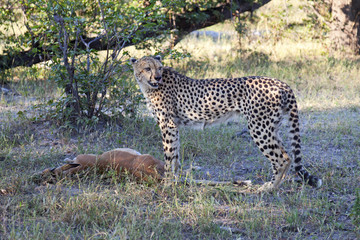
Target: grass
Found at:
x=107, y=207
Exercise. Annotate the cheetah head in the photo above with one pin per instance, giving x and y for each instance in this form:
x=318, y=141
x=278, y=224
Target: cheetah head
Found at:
x=148, y=71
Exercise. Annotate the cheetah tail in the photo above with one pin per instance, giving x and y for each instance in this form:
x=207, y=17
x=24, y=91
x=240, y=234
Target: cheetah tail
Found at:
x=296, y=149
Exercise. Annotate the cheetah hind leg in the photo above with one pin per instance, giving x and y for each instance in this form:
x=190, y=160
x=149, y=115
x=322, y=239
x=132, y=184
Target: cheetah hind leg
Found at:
x=277, y=179
x=273, y=150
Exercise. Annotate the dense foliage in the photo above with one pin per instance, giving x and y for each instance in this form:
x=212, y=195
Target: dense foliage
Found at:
x=93, y=84
x=73, y=34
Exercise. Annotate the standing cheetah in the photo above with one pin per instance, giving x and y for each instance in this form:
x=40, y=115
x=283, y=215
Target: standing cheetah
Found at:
x=177, y=100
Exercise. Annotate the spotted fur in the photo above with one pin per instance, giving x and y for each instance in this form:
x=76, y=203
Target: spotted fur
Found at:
x=178, y=100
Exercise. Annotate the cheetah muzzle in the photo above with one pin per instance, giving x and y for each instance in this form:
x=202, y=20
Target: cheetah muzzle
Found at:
x=177, y=100
x=151, y=75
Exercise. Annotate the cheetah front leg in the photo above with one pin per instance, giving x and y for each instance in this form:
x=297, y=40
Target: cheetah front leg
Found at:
x=171, y=145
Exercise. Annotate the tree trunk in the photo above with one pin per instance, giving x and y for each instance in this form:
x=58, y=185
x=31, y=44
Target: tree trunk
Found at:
x=345, y=27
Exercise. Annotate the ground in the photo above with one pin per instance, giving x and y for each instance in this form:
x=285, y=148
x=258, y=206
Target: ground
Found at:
x=105, y=207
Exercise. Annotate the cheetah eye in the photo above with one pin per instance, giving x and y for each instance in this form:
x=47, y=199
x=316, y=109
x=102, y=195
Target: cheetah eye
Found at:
x=148, y=69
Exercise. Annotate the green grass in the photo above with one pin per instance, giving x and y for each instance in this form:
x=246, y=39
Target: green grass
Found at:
x=107, y=207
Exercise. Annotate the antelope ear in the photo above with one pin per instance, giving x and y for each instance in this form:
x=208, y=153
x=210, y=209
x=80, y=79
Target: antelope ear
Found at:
x=158, y=57
x=133, y=60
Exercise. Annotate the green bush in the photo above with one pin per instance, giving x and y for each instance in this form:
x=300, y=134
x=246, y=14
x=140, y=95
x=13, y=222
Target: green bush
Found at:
x=88, y=58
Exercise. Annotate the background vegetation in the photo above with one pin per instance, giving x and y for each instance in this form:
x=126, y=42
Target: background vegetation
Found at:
x=283, y=39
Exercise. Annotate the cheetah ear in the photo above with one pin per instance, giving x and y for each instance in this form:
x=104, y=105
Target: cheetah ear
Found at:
x=132, y=61
x=158, y=57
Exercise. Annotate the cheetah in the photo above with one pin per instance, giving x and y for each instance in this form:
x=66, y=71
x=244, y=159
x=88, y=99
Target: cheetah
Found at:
x=177, y=100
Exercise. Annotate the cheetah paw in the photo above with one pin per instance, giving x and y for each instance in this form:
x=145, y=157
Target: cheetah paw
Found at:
x=266, y=187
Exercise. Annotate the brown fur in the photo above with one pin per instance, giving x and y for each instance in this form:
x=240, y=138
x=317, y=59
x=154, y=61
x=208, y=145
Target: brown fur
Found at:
x=143, y=167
